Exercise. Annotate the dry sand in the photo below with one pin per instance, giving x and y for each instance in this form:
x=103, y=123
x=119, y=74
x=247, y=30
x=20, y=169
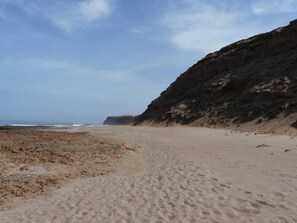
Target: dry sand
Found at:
x=33, y=162
x=180, y=174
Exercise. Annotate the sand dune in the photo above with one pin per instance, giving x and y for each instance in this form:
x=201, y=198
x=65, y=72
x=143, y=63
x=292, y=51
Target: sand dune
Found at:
x=180, y=175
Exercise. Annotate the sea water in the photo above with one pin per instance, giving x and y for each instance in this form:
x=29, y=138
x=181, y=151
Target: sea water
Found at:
x=54, y=124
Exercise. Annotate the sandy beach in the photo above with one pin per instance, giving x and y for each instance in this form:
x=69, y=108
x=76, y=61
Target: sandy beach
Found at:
x=34, y=161
x=178, y=174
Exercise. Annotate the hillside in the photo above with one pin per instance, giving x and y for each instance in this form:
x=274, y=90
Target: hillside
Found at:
x=119, y=120
x=250, y=84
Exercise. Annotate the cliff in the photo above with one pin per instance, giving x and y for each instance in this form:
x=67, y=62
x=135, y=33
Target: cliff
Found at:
x=250, y=81
x=119, y=120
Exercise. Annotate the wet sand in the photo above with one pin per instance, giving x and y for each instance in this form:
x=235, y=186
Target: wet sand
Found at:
x=179, y=174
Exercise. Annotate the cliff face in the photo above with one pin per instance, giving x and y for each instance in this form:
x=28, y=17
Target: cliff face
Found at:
x=119, y=120
x=250, y=80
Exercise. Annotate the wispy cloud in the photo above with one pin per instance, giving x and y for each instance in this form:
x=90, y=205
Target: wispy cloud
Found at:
x=94, y=9
x=274, y=6
x=46, y=64
x=70, y=17
x=205, y=27
x=75, y=71
x=65, y=15
x=137, y=30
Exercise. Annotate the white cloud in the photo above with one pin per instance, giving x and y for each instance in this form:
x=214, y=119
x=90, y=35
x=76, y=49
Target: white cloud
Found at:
x=74, y=70
x=65, y=15
x=70, y=17
x=205, y=28
x=38, y=67
x=46, y=64
x=94, y=9
x=274, y=6
x=137, y=30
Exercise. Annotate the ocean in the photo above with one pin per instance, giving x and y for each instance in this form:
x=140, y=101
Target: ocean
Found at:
x=54, y=124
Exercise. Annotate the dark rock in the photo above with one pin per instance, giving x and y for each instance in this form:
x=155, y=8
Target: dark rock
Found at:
x=294, y=124
x=119, y=120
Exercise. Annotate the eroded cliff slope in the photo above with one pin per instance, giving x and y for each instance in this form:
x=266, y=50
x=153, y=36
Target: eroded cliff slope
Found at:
x=250, y=81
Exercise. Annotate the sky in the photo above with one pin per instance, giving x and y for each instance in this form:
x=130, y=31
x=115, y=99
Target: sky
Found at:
x=82, y=60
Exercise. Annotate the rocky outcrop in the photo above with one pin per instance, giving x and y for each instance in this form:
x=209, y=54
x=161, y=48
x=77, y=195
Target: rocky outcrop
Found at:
x=252, y=80
x=119, y=120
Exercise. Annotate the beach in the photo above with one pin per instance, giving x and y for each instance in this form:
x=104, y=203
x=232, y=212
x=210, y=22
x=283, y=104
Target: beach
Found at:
x=36, y=160
x=174, y=174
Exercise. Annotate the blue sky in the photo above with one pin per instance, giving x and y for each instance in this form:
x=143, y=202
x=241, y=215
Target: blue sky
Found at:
x=82, y=60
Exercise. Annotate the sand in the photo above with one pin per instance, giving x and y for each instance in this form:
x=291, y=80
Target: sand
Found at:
x=179, y=174
x=33, y=162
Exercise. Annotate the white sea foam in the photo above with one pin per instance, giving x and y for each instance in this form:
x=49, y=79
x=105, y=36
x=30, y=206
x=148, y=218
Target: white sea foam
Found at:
x=18, y=125
x=46, y=124
x=77, y=125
